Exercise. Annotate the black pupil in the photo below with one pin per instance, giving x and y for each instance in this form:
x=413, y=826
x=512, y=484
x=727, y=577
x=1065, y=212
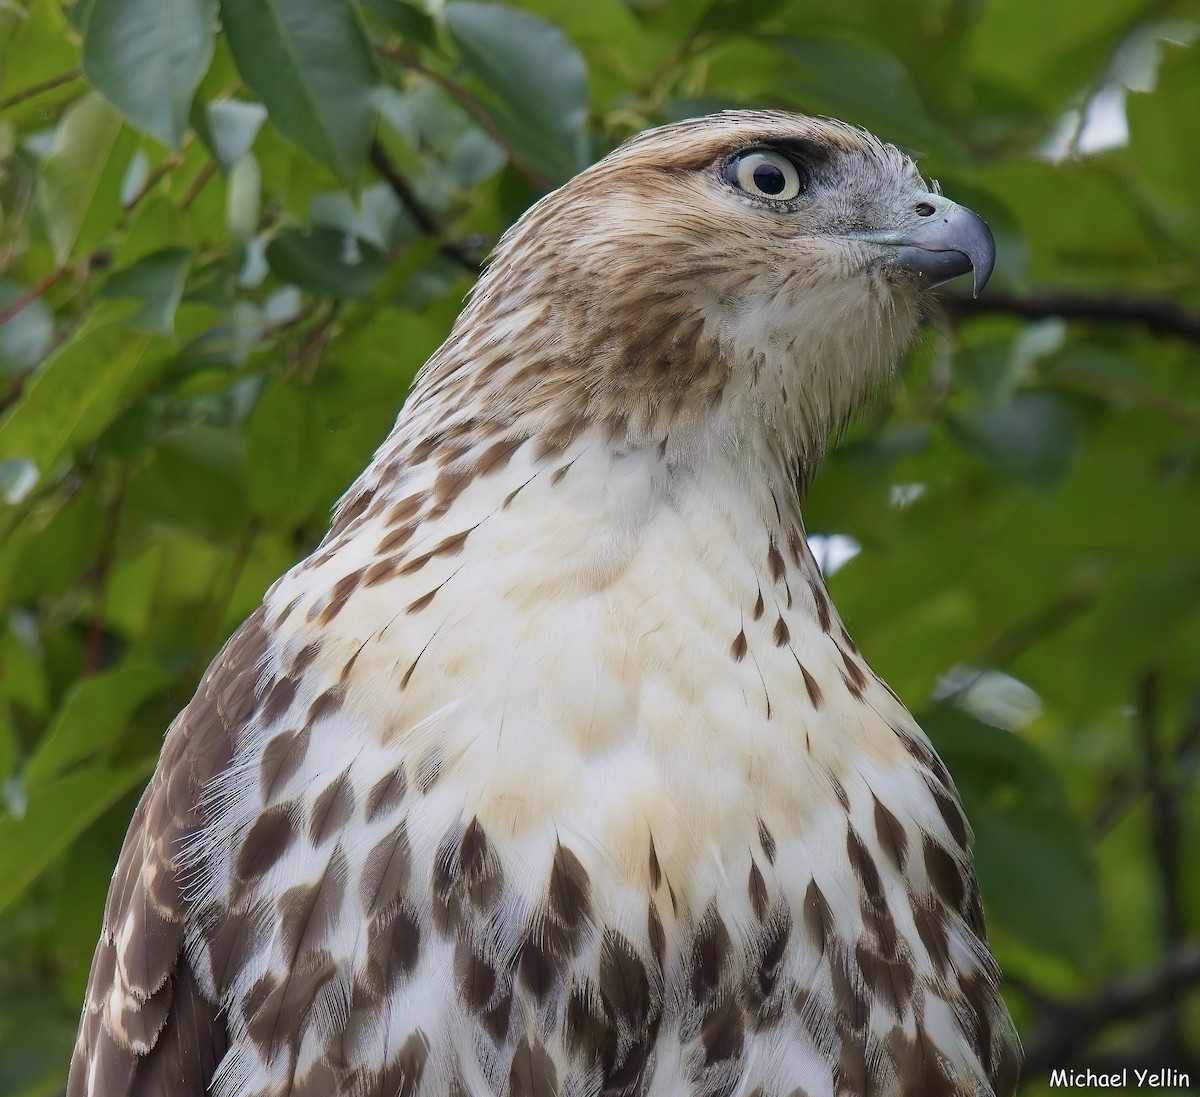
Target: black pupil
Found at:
x=769, y=178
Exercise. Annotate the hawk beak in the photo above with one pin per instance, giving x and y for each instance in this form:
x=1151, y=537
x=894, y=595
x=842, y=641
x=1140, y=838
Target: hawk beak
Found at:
x=949, y=240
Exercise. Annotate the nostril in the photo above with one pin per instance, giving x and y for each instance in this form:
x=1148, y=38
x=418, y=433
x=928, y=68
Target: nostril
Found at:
x=924, y=209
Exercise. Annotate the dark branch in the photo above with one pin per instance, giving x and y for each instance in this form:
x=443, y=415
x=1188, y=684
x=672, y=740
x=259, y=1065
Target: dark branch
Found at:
x=1069, y=1027
x=381, y=162
x=37, y=89
x=1160, y=315
x=94, y=639
x=472, y=106
x=27, y=298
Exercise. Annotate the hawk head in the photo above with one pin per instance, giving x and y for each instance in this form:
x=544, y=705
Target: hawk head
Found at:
x=712, y=277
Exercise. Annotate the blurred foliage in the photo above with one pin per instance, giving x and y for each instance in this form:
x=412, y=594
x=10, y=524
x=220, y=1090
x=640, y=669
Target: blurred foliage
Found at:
x=229, y=238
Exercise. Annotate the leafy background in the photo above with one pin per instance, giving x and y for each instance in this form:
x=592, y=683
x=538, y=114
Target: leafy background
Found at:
x=229, y=237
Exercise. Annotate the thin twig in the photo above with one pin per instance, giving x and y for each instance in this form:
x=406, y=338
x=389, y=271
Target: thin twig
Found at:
x=35, y=291
x=1071, y=1026
x=314, y=341
x=168, y=165
x=193, y=192
x=104, y=558
x=382, y=163
x=472, y=106
x=34, y=90
x=1159, y=315
x=1164, y=832
x=224, y=595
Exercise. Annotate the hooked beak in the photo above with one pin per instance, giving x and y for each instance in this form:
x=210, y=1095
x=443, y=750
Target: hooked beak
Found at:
x=949, y=240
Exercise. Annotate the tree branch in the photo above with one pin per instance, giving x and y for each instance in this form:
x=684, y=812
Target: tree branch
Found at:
x=472, y=106
x=382, y=163
x=1070, y=1026
x=32, y=294
x=94, y=639
x=37, y=89
x=1159, y=315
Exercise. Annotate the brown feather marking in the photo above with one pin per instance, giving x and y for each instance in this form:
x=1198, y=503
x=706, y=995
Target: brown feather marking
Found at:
x=393, y=947
x=781, y=634
x=821, y=601
x=465, y=872
x=386, y=794
x=340, y=595
x=198, y=746
x=763, y=986
x=282, y=759
x=818, y=918
x=775, y=562
x=812, y=687
x=308, y=912
x=381, y=571
x=854, y=671
x=757, y=887
x=944, y=873
x=402, y=1076
x=188, y=1049
x=332, y=809
x=279, y=699
x=710, y=956
x=863, y=865
x=267, y=840
x=950, y=812
x=656, y=935
x=739, y=647
x=386, y=873
x=418, y=604
x=767, y=840
x=891, y=835
x=556, y=930
x=275, y=1019
x=654, y=866
x=531, y=1073
x=448, y=546
x=324, y=704
x=723, y=1032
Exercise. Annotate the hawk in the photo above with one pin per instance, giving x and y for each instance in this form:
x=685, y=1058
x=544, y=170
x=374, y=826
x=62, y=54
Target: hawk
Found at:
x=553, y=770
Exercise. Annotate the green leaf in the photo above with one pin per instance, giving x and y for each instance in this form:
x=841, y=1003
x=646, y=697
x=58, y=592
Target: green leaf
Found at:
x=1030, y=438
x=81, y=388
x=1031, y=853
x=70, y=183
x=91, y=720
x=148, y=57
x=310, y=64
x=854, y=79
x=326, y=261
x=407, y=20
x=539, y=77
x=734, y=16
x=228, y=127
x=54, y=817
x=18, y=477
x=27, y=336
x=157, y=282
x=279, y=466
x=243, y=197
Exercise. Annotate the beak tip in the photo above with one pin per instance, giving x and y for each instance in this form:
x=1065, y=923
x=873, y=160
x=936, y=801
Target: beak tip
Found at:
x=956, y=242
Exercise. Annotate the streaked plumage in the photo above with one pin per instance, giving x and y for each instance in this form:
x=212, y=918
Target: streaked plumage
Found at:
x=553, y=770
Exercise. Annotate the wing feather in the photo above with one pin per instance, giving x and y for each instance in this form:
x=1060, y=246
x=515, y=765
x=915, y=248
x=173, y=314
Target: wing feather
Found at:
x=147, y=1027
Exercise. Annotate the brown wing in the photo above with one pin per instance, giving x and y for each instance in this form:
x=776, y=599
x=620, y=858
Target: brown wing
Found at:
x=147, y=1027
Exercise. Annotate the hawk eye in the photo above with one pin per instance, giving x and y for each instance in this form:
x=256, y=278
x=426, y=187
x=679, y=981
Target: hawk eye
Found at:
x=765, y=174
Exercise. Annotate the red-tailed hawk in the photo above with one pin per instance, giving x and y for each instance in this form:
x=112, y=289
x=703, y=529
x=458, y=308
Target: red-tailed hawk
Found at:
x=553, y=771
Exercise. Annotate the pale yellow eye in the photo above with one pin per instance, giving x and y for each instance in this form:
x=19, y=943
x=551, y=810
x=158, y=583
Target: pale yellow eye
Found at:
x=765, y=174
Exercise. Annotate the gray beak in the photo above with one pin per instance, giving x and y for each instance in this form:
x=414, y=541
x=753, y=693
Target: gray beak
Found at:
x=947, y=241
